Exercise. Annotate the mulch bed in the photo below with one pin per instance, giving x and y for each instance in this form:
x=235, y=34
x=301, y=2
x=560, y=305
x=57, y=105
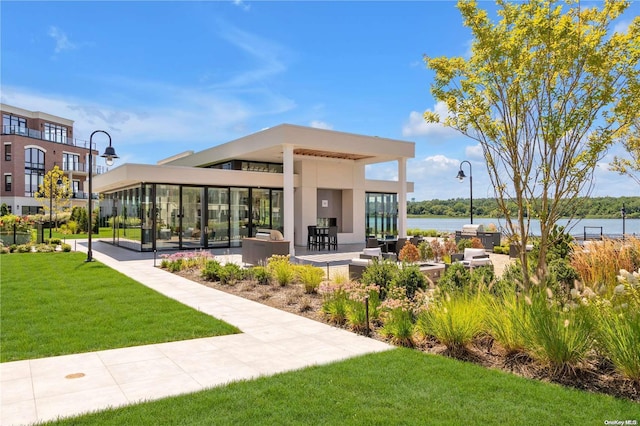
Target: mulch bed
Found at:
x=597, y=376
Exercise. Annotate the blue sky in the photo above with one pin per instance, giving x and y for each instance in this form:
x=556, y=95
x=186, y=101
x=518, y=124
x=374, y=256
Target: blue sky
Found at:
x=164, y=77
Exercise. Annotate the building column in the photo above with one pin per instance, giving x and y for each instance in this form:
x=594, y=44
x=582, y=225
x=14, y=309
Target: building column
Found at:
x=289, y=212
x=402, y=197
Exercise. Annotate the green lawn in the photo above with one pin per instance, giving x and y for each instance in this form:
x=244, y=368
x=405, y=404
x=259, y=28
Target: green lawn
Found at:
x=56, y=304
x=397, y=387
x=106, y=232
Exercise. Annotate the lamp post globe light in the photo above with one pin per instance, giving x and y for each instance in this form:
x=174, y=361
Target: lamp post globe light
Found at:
x=109, y=155
x=461, y=177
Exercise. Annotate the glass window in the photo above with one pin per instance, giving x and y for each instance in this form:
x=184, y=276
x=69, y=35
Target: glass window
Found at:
x=14, y=124
x=7, y=183
x=381, y=214
x=55, y=133
x=33, y=170
x=7, y=152
x=71, y=162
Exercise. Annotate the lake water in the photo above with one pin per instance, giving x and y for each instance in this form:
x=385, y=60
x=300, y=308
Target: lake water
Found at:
x=611, y=227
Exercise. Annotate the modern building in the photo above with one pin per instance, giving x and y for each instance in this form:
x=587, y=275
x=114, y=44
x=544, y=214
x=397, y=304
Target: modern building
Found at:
x=32, y=143
x=286, y=178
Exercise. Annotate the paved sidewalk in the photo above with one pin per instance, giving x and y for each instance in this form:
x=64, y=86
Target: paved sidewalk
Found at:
x=272, y=341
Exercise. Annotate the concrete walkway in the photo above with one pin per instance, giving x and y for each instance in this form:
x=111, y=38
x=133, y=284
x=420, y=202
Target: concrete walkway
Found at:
x=272, y=341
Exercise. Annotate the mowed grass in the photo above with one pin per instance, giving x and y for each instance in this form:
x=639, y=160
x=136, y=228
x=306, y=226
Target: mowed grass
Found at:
x=401, y=386
x=56, y=304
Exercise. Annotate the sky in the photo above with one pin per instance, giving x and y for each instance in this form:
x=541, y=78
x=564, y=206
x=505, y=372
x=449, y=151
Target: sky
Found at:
x=163, y=77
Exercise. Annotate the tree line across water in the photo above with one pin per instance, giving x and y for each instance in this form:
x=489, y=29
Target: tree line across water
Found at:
x=597, y=207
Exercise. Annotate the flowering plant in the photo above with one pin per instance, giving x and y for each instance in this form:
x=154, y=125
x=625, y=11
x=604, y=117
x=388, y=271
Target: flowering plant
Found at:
x=22, y=224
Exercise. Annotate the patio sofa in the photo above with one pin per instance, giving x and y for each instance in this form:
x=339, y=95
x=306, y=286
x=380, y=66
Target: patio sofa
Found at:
x=357, y=265
x=473, y=257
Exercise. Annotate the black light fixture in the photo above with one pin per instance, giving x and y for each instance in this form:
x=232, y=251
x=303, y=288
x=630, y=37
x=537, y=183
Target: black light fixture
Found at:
x=109, y=155
x=461, y=177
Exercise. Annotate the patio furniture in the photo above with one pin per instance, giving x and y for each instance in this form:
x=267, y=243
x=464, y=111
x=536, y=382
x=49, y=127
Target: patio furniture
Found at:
x=312, y=237
x=473, y=257
x=332, y=238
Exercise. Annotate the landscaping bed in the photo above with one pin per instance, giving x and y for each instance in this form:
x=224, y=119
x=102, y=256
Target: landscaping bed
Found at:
x=596, y=375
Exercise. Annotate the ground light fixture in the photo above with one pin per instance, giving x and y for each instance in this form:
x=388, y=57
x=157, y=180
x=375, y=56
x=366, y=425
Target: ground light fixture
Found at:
x=461, y=177
x=109, y=155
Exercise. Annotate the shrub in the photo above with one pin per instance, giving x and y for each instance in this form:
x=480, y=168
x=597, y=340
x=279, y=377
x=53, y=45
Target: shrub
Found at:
x=310, y=276
x=411, y=279
x=380, y=273
x=211, y=270
x=482, y=278
x=262, y=275
x=397, y=318
x=598, y=264
x=282, y=270
x=558, y=338
x=359, y=296
x=463, y=244
x=45, y=248
x=618, y=338
x=456, y=278
x=426, y=251
x=505, y=321
x=409, y=253
x=23, y=248
x=230, y=273
x=66, y=247
x=175, y=265
x=454, y=320
x=334, y=302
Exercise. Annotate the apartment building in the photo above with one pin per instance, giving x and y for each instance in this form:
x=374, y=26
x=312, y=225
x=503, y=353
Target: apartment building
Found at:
x=33, y=143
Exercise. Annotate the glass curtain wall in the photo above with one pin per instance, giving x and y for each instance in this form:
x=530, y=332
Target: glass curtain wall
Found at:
x=381, y=214
x=277, y=202
x=239, y=216
x=173, y=217
x=168, y=217
x=260, y=210
x=218, y=217
x=148, y=215
x=192, y=236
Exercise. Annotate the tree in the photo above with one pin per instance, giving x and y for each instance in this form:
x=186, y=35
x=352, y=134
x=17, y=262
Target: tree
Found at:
x=546, y=90
x=54, y=198
x=630, y=166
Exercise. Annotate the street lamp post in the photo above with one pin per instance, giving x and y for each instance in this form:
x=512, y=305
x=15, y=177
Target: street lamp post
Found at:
x=58, y=183
x=461, y=177
x=109, y=155
x=623, y=212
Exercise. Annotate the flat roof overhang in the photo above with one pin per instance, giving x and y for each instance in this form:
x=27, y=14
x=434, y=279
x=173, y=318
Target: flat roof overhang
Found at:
x=266, y=146
x=128, y=175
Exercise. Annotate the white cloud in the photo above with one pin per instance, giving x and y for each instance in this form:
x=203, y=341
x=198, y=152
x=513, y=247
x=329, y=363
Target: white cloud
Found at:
x=61, y=39
x=474, y=152
x=622, y=27
x=241, y=4
x=267, y=55
x=184, y=118
x=417, y=126
x=321, y=125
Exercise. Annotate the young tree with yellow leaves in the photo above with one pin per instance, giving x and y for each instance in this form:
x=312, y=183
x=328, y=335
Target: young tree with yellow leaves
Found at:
x=546, y=90
x=54, y=194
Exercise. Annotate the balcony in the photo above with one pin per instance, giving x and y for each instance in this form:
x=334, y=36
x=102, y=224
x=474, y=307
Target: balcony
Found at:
x=37, y=134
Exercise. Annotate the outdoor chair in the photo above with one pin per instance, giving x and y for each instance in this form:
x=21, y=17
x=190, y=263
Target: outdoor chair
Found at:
x=312, y=237
x=332, y=238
